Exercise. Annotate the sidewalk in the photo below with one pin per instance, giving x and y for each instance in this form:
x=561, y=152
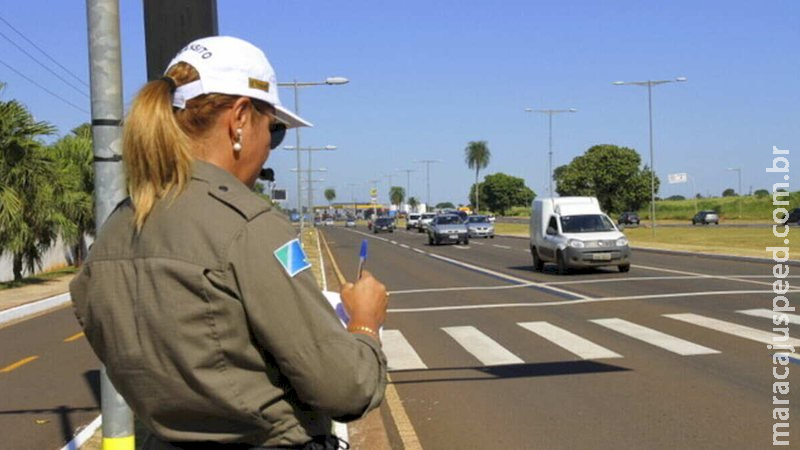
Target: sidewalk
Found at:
x=31, y=293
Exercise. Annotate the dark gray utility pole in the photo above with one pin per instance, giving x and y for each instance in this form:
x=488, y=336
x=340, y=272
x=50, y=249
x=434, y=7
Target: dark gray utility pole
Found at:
x=170, y=25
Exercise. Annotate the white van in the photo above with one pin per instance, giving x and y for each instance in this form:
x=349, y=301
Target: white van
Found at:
x=574, y=232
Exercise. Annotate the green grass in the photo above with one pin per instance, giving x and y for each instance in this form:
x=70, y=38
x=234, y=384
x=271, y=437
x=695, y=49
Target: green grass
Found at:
x=753, y=208
x=39, y=278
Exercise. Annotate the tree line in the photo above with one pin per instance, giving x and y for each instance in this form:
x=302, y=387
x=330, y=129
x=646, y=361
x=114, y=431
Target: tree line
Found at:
x=46, y=191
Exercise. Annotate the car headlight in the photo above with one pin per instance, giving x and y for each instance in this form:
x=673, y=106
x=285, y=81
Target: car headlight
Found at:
x=574, y=243
x=621, y=242
x=491, y=229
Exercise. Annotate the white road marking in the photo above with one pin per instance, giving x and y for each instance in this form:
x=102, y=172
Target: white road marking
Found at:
x=794, y=319
x=506, y=247
x=405, y=246
x=461, y=247
x=481, y=346
x=419, y=251
x=399, y=353
x=703, y=275
x=688, y=295
x=569, y=341
x=393, y=242
x=741, y=331
x=654, y=337
x=477, y=243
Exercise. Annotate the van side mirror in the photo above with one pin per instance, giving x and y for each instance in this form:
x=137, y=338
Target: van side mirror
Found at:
x=621, y=226
x=552, y=231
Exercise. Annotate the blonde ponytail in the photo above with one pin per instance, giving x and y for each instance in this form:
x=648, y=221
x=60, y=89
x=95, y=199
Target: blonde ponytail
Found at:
x=157, y=139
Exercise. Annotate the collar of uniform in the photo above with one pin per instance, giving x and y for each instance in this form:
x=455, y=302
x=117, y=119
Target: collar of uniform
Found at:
x=225, y=187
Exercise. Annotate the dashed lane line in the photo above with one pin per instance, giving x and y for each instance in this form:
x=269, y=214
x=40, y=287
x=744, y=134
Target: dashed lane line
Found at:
x=18, y=364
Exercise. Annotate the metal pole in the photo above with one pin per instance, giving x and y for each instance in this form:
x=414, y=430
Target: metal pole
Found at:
x=428, y=182
x=310, y=194
x=740, y=192
x=550, y=151
x=106, y=88
x=297, y=149
x=652, y=162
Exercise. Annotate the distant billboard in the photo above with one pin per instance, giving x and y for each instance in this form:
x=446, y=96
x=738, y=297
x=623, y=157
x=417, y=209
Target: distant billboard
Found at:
x=674, y=178
x=279, y=195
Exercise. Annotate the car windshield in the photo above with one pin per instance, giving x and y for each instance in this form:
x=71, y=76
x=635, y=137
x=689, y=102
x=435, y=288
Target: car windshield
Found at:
x=383, y=221
x=413, y=216
x=477, y=219
x=428, y=216
x=587, y=223
x=448, y=220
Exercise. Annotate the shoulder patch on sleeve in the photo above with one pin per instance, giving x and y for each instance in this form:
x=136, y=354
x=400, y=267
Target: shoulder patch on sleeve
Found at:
x=292, y=257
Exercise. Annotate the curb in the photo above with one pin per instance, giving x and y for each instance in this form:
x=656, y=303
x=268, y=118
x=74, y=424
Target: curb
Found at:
x=21, y=311
x=688, y=253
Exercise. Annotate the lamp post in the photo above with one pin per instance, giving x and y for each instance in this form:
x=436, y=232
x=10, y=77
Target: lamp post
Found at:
x=408, y=182
x=650, y=84
x=739, y=171
x=296, y=85
x=428, y=163
x=310, y=150
x=550, y=113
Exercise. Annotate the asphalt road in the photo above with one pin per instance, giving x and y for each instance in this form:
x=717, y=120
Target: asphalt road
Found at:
x=49, y=385
x=487, y=354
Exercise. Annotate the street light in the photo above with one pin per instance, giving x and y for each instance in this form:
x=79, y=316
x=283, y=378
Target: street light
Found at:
x=550, y=113
x=330, y=81
x=650, y=84
x=739, y=170
x=428, y=163
x=309, y=150
x=408, y=182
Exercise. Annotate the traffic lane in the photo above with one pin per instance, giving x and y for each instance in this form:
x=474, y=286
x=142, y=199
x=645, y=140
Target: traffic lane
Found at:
x=441, y=283
x=47, y=400
x=649, y=398
x=643, y=280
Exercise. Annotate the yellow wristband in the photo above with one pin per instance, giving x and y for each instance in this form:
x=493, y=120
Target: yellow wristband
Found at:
x=368, y=330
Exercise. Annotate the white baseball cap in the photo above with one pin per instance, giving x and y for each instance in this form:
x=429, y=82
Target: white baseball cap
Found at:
x=229, y=65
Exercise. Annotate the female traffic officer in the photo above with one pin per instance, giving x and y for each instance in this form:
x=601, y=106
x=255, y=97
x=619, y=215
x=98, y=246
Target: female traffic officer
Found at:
x=195, y=295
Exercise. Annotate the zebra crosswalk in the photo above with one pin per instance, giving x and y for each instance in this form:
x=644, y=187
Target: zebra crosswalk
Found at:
x=401, y=355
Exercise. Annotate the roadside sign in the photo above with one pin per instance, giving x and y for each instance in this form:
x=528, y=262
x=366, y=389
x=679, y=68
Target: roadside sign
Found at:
x=675, y=178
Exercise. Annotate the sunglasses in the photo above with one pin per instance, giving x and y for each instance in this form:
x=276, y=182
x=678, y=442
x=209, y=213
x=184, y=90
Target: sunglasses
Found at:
x=277, y=131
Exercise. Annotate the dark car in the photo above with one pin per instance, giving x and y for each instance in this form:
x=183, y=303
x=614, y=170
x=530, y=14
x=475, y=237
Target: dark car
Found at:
x=793, y=217
x=705, y=218
x=383, y=224
x=447, y=228
x=628, y=218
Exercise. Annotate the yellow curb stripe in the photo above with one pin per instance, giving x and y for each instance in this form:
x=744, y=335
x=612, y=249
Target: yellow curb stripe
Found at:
x=18, y=364
x=404, y=427
x=119, y=443
x=74, y=337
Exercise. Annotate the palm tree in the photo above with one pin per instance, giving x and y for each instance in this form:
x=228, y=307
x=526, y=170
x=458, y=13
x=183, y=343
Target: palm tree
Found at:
x=477, y=156
x=413, y=203
x=330, y=195
x=30, y=219
x=74, y=157
x=397, y=195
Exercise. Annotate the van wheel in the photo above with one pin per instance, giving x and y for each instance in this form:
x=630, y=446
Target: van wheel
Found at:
x=562, y=264
x=430, y=240
x=624, y=268
x=538, y=264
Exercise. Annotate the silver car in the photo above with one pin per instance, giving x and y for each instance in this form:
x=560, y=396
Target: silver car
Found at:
x=479, y=226
x=424, y=221
x=447, y=228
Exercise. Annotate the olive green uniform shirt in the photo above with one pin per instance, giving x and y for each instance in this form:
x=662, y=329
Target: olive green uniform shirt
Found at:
x=205, y=334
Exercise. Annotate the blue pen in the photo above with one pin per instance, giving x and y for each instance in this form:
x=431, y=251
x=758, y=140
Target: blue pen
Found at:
x=362, y=258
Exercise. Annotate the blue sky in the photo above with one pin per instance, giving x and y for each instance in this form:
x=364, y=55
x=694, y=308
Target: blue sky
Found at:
x=428, y=77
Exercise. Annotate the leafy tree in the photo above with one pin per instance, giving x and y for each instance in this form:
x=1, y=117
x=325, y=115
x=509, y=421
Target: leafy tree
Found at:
x=330, y=194
x=74, y=156
x=445, y=205
x=477, y=156
x=396, y=195
x=610, y=173
x=413, y=203
x=504, y=191
x=676, y=197
x=761, y=193
x=29, y=217
x=730, y=192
